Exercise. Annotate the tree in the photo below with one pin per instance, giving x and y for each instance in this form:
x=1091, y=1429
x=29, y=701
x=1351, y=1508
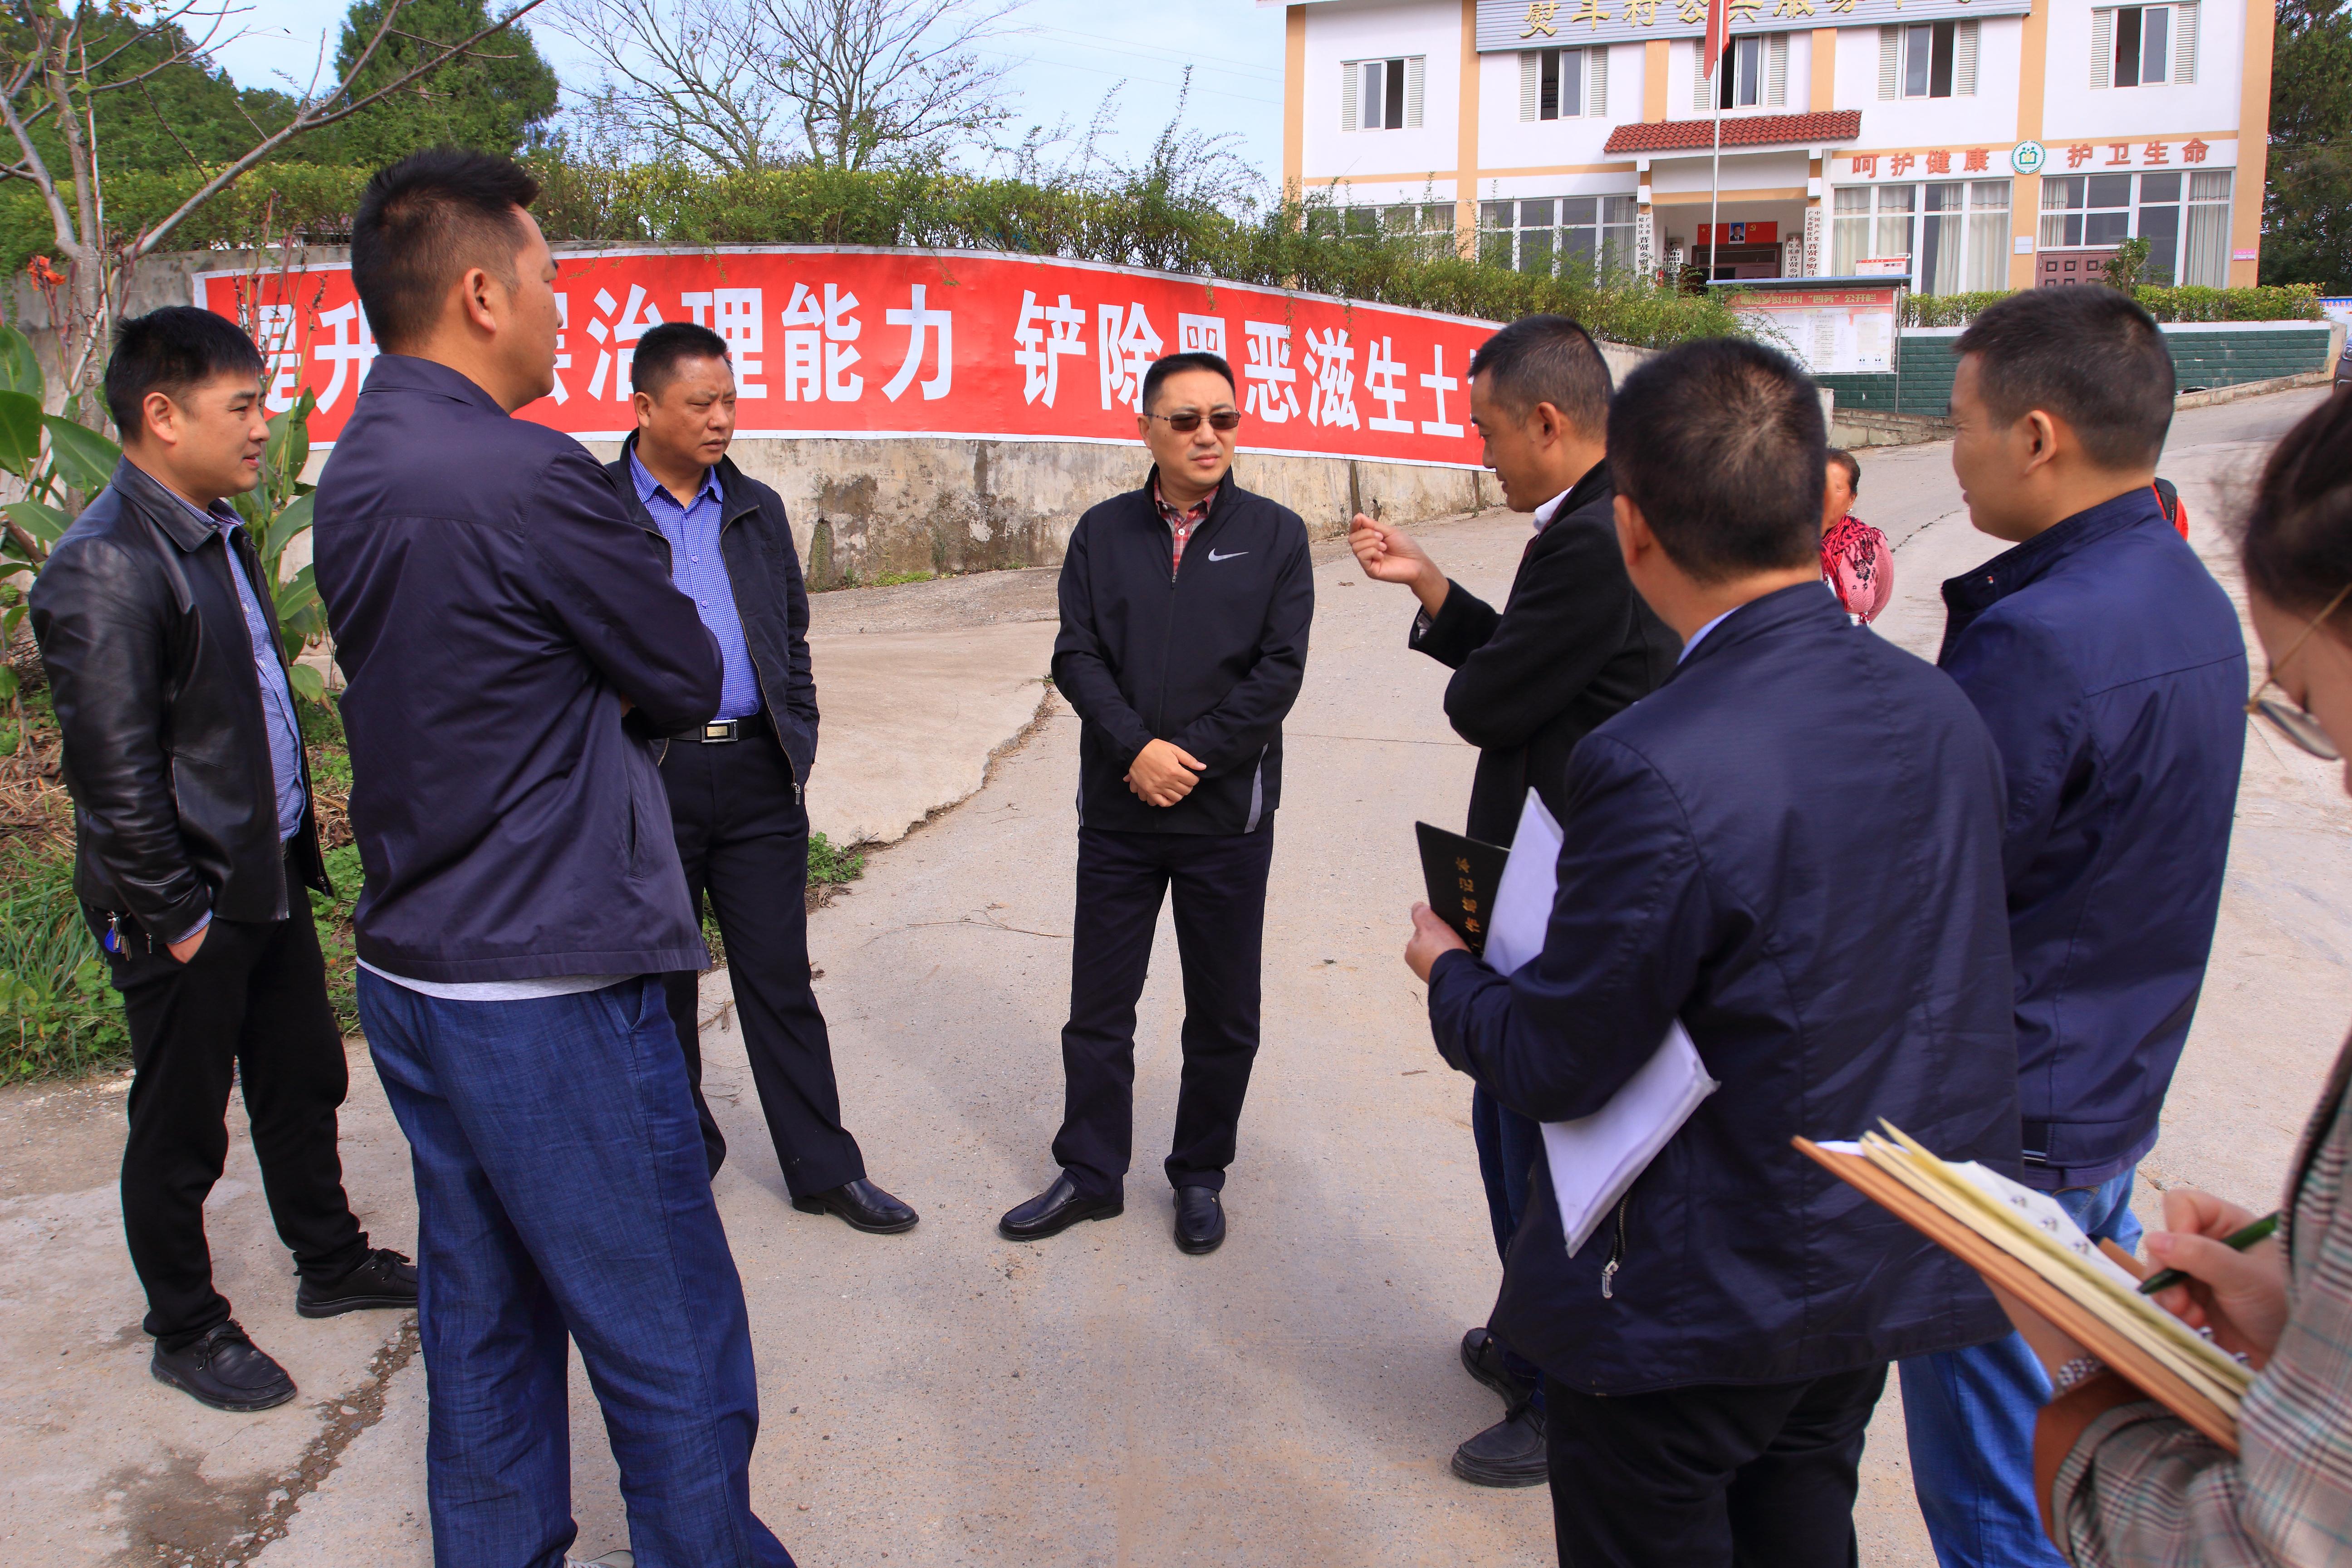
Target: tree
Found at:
x=58, y=66
x=2307, y=209
x=495, y=98
x=749, y=84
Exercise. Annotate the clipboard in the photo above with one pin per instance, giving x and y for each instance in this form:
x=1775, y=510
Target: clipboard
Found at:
x=2144, y=1372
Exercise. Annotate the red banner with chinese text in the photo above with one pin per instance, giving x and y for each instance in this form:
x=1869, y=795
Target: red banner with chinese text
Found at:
x=850, y=342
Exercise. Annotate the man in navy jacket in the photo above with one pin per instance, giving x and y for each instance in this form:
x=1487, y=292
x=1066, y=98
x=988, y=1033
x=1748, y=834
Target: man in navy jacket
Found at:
x=1185, y=606
x=514, y=646
x=2110, y=668
x=1572, y=646
x=1793, y=847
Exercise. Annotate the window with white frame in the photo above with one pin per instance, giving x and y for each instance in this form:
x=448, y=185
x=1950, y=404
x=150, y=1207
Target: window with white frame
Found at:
x=2143, y=46
x=2183, y=216
x=1428, y=222
x=1753, y=74
x=1577, y=236
x=1381, y=95
x=1564, y=84
x=1928, y=60
x=1952, y=234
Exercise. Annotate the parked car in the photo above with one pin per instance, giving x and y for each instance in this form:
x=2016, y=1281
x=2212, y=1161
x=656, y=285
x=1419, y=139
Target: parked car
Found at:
x=2344, y=365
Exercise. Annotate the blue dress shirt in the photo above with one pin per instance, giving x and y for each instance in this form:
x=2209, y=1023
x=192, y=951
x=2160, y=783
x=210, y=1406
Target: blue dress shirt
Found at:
x=276, y=697
x=700, y=573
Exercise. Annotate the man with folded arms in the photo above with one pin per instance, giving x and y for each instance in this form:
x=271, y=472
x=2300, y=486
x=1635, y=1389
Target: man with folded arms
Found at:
x=1713, y=1351
x=196, y=851
x=737, y=783
x=515, y=650
x=1185, y=605
x=1573, y=645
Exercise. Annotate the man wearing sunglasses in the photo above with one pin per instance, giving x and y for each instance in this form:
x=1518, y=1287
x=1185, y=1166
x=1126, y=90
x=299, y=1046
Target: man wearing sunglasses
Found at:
x=1185, y=605
x=2109, y=666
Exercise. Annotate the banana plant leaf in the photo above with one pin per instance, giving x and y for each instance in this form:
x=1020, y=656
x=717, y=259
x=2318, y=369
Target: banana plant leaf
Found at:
x=20, y=433
x=305, y=681
x=287, y=527
x=84, y=458
x=20, y=371
x=289, y=440
x=45, y=523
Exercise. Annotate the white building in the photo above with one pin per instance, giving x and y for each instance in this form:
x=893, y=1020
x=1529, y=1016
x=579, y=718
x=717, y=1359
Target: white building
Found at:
x=1970, y=143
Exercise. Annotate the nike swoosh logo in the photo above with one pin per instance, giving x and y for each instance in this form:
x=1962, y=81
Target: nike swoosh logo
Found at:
x=1235, y=555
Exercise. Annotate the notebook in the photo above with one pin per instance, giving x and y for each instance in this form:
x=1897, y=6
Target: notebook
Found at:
x=1595, y=1159
x=1460, y=875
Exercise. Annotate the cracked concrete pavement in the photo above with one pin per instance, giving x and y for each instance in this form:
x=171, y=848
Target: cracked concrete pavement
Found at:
x=946, y=1396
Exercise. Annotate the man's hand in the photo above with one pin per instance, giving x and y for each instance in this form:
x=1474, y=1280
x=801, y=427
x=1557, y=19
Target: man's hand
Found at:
x=1389, y=555
x=1432, y=939
x=1163, y=773
x=185, y=948
x=2240, y=1296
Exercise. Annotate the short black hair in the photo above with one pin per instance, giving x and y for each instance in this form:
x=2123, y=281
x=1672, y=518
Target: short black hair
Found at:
x=661, y=351
x=172, y=351
x=1721, y=444
x=1169, y=365
x=2089, y=355
x=1547, y=359
x=1845, y=459
x=422, y=223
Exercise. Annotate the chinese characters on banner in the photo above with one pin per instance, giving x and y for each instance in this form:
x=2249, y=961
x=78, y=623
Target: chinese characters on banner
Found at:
x=859, y=343
x=1942, y=162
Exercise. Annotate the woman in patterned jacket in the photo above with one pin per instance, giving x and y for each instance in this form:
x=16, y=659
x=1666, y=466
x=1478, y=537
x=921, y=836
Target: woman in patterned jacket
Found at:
x=1855, y=562
x=2123, y=1482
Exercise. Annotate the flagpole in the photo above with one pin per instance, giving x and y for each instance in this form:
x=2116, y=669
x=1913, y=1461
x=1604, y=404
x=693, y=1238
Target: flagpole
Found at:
x=1712, y=51
x=1714, y=191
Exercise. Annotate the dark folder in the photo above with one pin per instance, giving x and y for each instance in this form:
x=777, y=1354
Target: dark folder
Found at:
x=1462, y=875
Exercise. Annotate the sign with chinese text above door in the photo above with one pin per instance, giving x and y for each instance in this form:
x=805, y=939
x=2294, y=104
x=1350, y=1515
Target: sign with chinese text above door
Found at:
x=851, y=343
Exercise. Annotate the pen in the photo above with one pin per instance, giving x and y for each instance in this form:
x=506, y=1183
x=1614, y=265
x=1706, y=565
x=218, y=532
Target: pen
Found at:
x=2166, y=1278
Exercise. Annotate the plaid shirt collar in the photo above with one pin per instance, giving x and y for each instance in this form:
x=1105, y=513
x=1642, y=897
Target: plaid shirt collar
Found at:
x=1188, y=518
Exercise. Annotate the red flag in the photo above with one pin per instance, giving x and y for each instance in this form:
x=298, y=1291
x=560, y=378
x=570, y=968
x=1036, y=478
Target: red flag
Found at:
x=1718, y=31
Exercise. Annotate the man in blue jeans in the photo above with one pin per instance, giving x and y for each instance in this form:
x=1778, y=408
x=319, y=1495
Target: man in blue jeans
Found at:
x=2109, y=667
x=514, y=648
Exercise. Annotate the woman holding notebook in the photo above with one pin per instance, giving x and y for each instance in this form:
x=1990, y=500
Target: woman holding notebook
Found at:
x=2122, y=1481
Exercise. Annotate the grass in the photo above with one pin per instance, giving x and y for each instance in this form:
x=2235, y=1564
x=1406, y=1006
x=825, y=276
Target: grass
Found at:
x=58, y=1014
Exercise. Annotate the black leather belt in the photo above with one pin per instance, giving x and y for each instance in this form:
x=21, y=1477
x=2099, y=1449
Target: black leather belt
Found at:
x=720, y=731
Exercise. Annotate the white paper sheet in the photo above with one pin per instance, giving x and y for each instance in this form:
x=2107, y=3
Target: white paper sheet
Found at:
x=1594, y=1159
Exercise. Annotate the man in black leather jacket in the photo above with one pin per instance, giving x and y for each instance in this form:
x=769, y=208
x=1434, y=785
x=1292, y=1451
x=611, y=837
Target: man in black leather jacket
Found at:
x=195, y=849
x=737, y=785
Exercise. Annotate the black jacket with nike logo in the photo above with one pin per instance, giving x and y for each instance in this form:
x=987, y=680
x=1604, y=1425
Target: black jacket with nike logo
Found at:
x=1208, y=657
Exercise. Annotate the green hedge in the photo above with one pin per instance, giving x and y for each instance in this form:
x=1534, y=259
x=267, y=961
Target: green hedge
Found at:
x=2271, y=302
x=1134, y=225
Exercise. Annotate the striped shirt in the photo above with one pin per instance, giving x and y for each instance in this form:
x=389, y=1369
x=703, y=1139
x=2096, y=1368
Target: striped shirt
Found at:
x=2143, y=1490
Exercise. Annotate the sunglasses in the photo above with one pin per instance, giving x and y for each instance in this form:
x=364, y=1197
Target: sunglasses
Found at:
x=1184, y=423
x=2297, y=725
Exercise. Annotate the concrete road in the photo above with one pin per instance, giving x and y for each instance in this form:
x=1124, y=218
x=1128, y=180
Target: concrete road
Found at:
x=946, y=1396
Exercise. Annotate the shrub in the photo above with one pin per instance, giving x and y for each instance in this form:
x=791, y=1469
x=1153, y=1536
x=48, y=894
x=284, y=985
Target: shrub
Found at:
x=2270, y=302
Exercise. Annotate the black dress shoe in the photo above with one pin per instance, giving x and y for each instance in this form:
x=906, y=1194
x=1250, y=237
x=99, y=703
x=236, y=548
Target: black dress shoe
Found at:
x=1510, y=1453
x=382, y=1278
x=222, y=1370
x=1200, y=1220
x=863, y=1205
x=1482, y=1358
x=1054, y=1211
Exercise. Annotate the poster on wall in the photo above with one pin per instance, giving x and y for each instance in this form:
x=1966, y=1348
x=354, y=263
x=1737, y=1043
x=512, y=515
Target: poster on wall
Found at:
x=1829, y=331
x=844, y=344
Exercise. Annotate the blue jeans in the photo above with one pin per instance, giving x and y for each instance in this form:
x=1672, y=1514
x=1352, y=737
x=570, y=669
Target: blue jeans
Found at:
x=1508, y=1146
x=1969, y=1416
x=561, y=1189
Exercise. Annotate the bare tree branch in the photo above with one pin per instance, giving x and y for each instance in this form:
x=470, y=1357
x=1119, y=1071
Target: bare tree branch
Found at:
x=308, y=119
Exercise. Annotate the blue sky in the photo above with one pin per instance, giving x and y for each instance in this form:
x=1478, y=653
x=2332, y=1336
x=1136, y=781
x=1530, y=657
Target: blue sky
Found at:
x=1071, y=53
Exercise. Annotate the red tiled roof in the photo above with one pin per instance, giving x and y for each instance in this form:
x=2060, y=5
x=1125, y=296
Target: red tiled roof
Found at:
x=1836, y=125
